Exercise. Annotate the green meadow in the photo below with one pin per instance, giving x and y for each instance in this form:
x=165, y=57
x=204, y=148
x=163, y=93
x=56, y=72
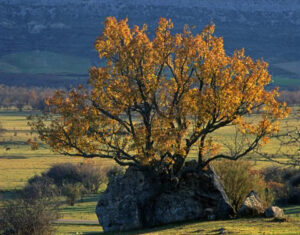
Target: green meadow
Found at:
x=45, y=67
x=43, y=62
x=18, y=163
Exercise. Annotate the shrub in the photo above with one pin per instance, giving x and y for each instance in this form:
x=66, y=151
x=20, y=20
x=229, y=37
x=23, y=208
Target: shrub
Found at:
x=238, y=180
x=28, y=216
x=64, y=173
x=73, y=192
x=40, y=187
x=278, y=174
x=89, y=175
x=295, y=180
x=70, y=180
x=284, y=182
x=294, y=195
x=281, y=192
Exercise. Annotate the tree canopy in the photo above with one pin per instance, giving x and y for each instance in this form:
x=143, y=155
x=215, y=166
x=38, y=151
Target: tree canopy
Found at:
x=157, y=101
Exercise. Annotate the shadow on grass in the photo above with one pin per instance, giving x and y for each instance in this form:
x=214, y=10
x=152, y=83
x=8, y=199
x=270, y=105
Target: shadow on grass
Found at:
x=12, y=157
x=9, y=194
x=77, y=209
x=175, y=226
x=5, y=112
x=10, y=143
x=293, y=209
x=90, y=198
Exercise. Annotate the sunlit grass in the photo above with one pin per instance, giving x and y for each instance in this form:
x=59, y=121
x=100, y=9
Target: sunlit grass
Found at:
x=18, y=163
x=234, y=226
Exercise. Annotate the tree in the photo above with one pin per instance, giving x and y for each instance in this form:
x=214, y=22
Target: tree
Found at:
x=155, y=102
x=287, y=150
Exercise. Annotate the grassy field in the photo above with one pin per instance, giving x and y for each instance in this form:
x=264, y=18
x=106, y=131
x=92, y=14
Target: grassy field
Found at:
x=43, y=68
x=238, y=226
x=43, y=62
x=37, y=68
x=235, y=226
x=286, y=82
x=18, y=163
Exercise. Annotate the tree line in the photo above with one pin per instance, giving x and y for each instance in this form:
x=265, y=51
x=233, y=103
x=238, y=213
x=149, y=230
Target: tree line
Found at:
x=34, y=97
x=290, y=97
x=22, y=97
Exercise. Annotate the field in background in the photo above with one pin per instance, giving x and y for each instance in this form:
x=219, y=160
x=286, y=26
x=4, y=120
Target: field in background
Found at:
x=43, y=62
x=50, y=69
x=18, y=163
x=286, y=83
x=43, y=68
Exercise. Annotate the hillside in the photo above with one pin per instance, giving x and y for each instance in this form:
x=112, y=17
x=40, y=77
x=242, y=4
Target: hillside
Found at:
x=267, y=29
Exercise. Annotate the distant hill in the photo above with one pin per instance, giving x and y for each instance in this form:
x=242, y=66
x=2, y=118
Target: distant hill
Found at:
x=66, y=30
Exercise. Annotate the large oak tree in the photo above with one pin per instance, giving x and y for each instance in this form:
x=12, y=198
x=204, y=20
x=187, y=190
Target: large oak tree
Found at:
x=156, y=101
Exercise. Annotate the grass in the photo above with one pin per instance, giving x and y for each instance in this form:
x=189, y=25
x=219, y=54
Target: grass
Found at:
x=234, y=226
x=43, y=68
x=43, y=62
x=84, y=209
x=63, y=66
x=19, y=163
x=286, y=82
x=78, y=229
x=238, y=226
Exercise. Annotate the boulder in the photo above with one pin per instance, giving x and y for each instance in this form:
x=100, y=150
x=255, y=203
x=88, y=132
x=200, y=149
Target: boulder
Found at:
x=252, y=206
x=209, y=214
x=139, y=199
x=274, y=211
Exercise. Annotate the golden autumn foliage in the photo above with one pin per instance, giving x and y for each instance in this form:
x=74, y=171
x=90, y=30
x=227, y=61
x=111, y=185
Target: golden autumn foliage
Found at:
x=156, y=99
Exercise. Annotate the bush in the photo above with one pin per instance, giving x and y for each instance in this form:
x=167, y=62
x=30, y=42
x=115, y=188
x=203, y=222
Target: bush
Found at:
x=70, y=180
x=285, y=183
x=294, y=195
x=90, y=176
x=281, y=192
x=238, y=180
x=278, y=174
x=295, y=180
x=40, y=187
x=28, y=216
x=64, y=173
x=73, y=192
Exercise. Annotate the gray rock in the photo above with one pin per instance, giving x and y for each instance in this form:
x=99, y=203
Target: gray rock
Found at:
x=252, y=206
x=274, y=211
x=209, y=214
x=139, y=199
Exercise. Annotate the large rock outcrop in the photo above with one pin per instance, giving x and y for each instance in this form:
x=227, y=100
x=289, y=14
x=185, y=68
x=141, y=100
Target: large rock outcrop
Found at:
x=139, y=199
